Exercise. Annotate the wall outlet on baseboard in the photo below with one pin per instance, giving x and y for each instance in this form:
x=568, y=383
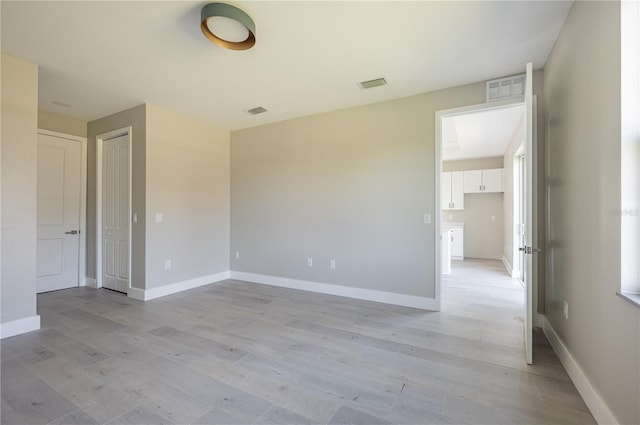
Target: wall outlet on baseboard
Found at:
x=167, y=264
x=309, y=262
x=565, y=310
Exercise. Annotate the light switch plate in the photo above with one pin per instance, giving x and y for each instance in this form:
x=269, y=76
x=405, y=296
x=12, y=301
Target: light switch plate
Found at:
x=158, y=217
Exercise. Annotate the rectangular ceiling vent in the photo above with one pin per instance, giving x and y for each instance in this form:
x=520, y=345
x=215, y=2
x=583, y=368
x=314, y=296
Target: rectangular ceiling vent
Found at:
x=257, y=110
x=373, y=83
x=504, y=88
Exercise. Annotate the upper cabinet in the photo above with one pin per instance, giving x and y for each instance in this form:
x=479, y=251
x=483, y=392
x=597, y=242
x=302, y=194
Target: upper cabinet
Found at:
x=452, y=191
x=484, y=181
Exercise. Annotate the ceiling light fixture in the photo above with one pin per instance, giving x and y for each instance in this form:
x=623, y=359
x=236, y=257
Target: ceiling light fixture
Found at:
x=227, y=26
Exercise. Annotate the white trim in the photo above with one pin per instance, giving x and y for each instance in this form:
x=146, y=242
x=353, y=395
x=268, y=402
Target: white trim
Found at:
x=437, y=222
x=514, y=273
x=342, y=291
x=99, y=148
x=538, y=320
x=62, y=135
x=82, y=241
x=594, y=401
x=90, y=282
x=136, y=294
x=20, y=326
x=173, y=288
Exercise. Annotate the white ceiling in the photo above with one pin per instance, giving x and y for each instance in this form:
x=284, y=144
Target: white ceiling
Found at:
x=103, y=57
x=479, y=134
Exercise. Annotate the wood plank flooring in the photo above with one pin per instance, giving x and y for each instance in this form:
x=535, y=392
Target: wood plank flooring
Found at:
x=241, y=353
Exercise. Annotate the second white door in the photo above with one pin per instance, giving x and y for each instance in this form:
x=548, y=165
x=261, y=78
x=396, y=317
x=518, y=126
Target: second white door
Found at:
x=58, y=212
x=115, y=214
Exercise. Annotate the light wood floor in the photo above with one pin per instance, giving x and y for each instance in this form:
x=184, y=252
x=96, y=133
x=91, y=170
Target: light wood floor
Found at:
x=241, y=353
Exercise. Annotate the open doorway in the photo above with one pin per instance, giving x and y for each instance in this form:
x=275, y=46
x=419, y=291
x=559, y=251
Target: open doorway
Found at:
x=481, y=216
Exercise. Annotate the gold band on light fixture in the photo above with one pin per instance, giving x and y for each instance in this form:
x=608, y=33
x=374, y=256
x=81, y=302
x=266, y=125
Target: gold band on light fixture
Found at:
x=231, y=12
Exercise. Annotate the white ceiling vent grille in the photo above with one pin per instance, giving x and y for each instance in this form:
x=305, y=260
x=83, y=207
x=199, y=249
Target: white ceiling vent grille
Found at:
x=257, y=110
x=373, y=83
x=504, y=88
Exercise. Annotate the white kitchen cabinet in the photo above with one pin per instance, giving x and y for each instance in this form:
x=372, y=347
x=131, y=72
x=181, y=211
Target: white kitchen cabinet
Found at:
x=452, y=190
x=484, y=181
x=457, y=243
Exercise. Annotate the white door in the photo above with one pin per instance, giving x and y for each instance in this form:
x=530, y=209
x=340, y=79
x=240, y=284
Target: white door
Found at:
x=528, y=248
x=115, y=214
x=58, y=213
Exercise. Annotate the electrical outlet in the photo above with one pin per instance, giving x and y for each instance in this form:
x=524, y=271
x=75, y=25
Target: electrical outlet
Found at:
x=332, y=264
x=158, y=217
x=427, y=219
x=565, y=311
x=309, y=262
x=493, y=218
x=167, y=264
x=237, y=255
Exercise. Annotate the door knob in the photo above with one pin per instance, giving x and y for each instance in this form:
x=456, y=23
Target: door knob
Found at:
x=529, y=249
x=72, y=232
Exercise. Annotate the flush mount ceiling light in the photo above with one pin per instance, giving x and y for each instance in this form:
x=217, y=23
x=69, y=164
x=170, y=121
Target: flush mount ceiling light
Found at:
x=227, y=26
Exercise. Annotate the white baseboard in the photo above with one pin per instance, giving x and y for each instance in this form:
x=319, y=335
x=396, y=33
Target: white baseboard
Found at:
x=515, y=273
x=173, y=288
x=595, y=403
x=90, y=282
x=136, y=294
x=538, y=320
x=20, y=326
x=342, y=291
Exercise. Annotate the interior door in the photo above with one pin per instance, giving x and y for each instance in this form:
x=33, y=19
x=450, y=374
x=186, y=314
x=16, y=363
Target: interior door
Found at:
x=528, y=248
x=58, y=213
x=115, y=214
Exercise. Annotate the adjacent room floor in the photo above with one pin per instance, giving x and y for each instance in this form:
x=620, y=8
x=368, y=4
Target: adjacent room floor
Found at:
x=241, y=353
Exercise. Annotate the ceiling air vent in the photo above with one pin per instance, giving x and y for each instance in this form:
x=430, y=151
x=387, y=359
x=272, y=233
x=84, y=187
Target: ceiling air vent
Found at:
x=256, y=111
x=373, y=83
x=504, y=88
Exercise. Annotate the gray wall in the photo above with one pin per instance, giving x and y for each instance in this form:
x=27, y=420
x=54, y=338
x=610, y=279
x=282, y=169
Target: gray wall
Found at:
x=349, y=185
x=61, y=124
x=582, y=92
x=188, y=182
x=134, y=117
x=18, y=174
x=483, y=238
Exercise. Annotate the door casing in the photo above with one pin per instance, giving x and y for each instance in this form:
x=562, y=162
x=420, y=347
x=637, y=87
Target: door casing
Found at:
x=82, y=240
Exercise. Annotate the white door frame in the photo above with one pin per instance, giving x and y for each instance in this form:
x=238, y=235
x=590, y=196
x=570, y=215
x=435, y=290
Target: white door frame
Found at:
x=439, y=115
x=82, y=247
x=126, y=131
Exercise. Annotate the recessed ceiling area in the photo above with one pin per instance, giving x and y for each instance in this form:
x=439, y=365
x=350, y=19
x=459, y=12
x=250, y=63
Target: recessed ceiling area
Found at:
x=482, y=134
x=104, y=57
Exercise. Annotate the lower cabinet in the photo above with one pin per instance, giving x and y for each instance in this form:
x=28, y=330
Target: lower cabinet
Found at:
x=457, y=243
